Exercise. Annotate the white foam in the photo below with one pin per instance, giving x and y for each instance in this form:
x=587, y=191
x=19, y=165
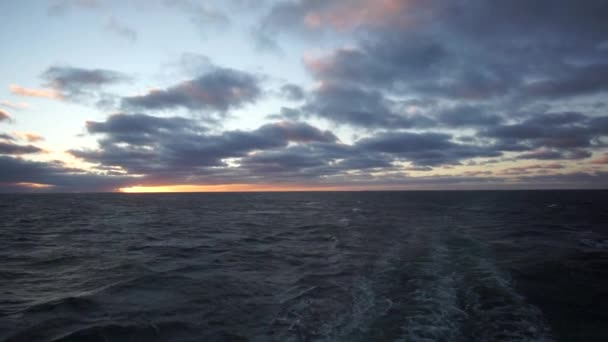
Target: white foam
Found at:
x=458, y=295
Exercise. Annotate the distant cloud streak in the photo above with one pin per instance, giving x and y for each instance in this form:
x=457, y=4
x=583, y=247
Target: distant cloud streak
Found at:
x=120, y=29
x=31, y=92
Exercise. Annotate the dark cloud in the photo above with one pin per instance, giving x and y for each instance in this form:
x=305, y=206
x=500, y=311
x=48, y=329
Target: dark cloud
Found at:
x=6, y=137
x=430, y=149
x=72, y=80
x=599, y=125
x=464, y=115
x=588, y=79
x=559, y=135
x=308, y=162
x=421, y=83
x=386, y=63
x=471, y=54
x=359, y=107
x=181, y=150
x=16, y=171
x=555, y=154
x=292, y=92
x=145, y=144
x=557, y=119
x=8, y=148
x=141, y=128
x=83, y=85
x=218, y=90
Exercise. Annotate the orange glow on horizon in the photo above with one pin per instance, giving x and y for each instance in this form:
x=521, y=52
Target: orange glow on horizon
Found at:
x=234, y=188
x=34, y=185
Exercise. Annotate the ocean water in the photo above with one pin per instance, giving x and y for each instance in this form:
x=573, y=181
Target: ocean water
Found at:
x=360, y=266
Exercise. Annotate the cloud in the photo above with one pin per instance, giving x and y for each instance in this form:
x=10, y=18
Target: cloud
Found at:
x=202, y=15
x=425, y=149
x=534, y=168
x=182, y=151
x=60, y=7
x=603, y=160
x=120, y=29
x=8, y=148
x=7, y=137
x=218, y=90
x=344, y=16
x=143, y=144
x=30, y=92
x=418, y=86
x=560, y=135
x=349, y=15
x=588, y=79
x=75, y=84
x=544, y=154
x=292, y=92
x=29, y=136
x=14, y=105
x=4, y=115
x=464, y=115
x=357, y=106
x=16, y=174
x=462, y=55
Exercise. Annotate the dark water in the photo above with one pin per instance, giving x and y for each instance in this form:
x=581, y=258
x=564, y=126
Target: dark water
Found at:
x=377, y=266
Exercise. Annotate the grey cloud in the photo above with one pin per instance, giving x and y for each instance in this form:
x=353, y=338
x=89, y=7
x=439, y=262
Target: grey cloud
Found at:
x=359, y=107
x=297, y=131
x=599, y=125
x=156, y=144
x=555, y=155
x=565, y=130
x=120, y=29
x=218, y=90
x=292, y=92
x=83, y=85
x=6, y=137
x=63, y=179
x=304, y=161
x=424, y=148
x=468, y=52
x=141, y=128
x=588, y=79
x=8, y=148
x=468, y=116
x=557, y=119
x=72, y=79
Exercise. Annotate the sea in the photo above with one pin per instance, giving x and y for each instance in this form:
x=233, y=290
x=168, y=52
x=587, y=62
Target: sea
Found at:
x=305, y=266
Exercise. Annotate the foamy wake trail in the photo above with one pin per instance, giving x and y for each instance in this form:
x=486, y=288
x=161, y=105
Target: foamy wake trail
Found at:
x=434, y=313
x=497, y=310
x=460, y=296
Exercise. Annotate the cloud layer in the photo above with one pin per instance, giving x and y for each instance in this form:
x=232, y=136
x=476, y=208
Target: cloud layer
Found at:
x=393, y=93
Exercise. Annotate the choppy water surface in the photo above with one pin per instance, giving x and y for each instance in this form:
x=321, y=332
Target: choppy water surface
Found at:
x=366, y=266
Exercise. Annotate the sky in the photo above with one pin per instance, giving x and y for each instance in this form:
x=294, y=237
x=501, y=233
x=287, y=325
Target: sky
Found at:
x=261, y=95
